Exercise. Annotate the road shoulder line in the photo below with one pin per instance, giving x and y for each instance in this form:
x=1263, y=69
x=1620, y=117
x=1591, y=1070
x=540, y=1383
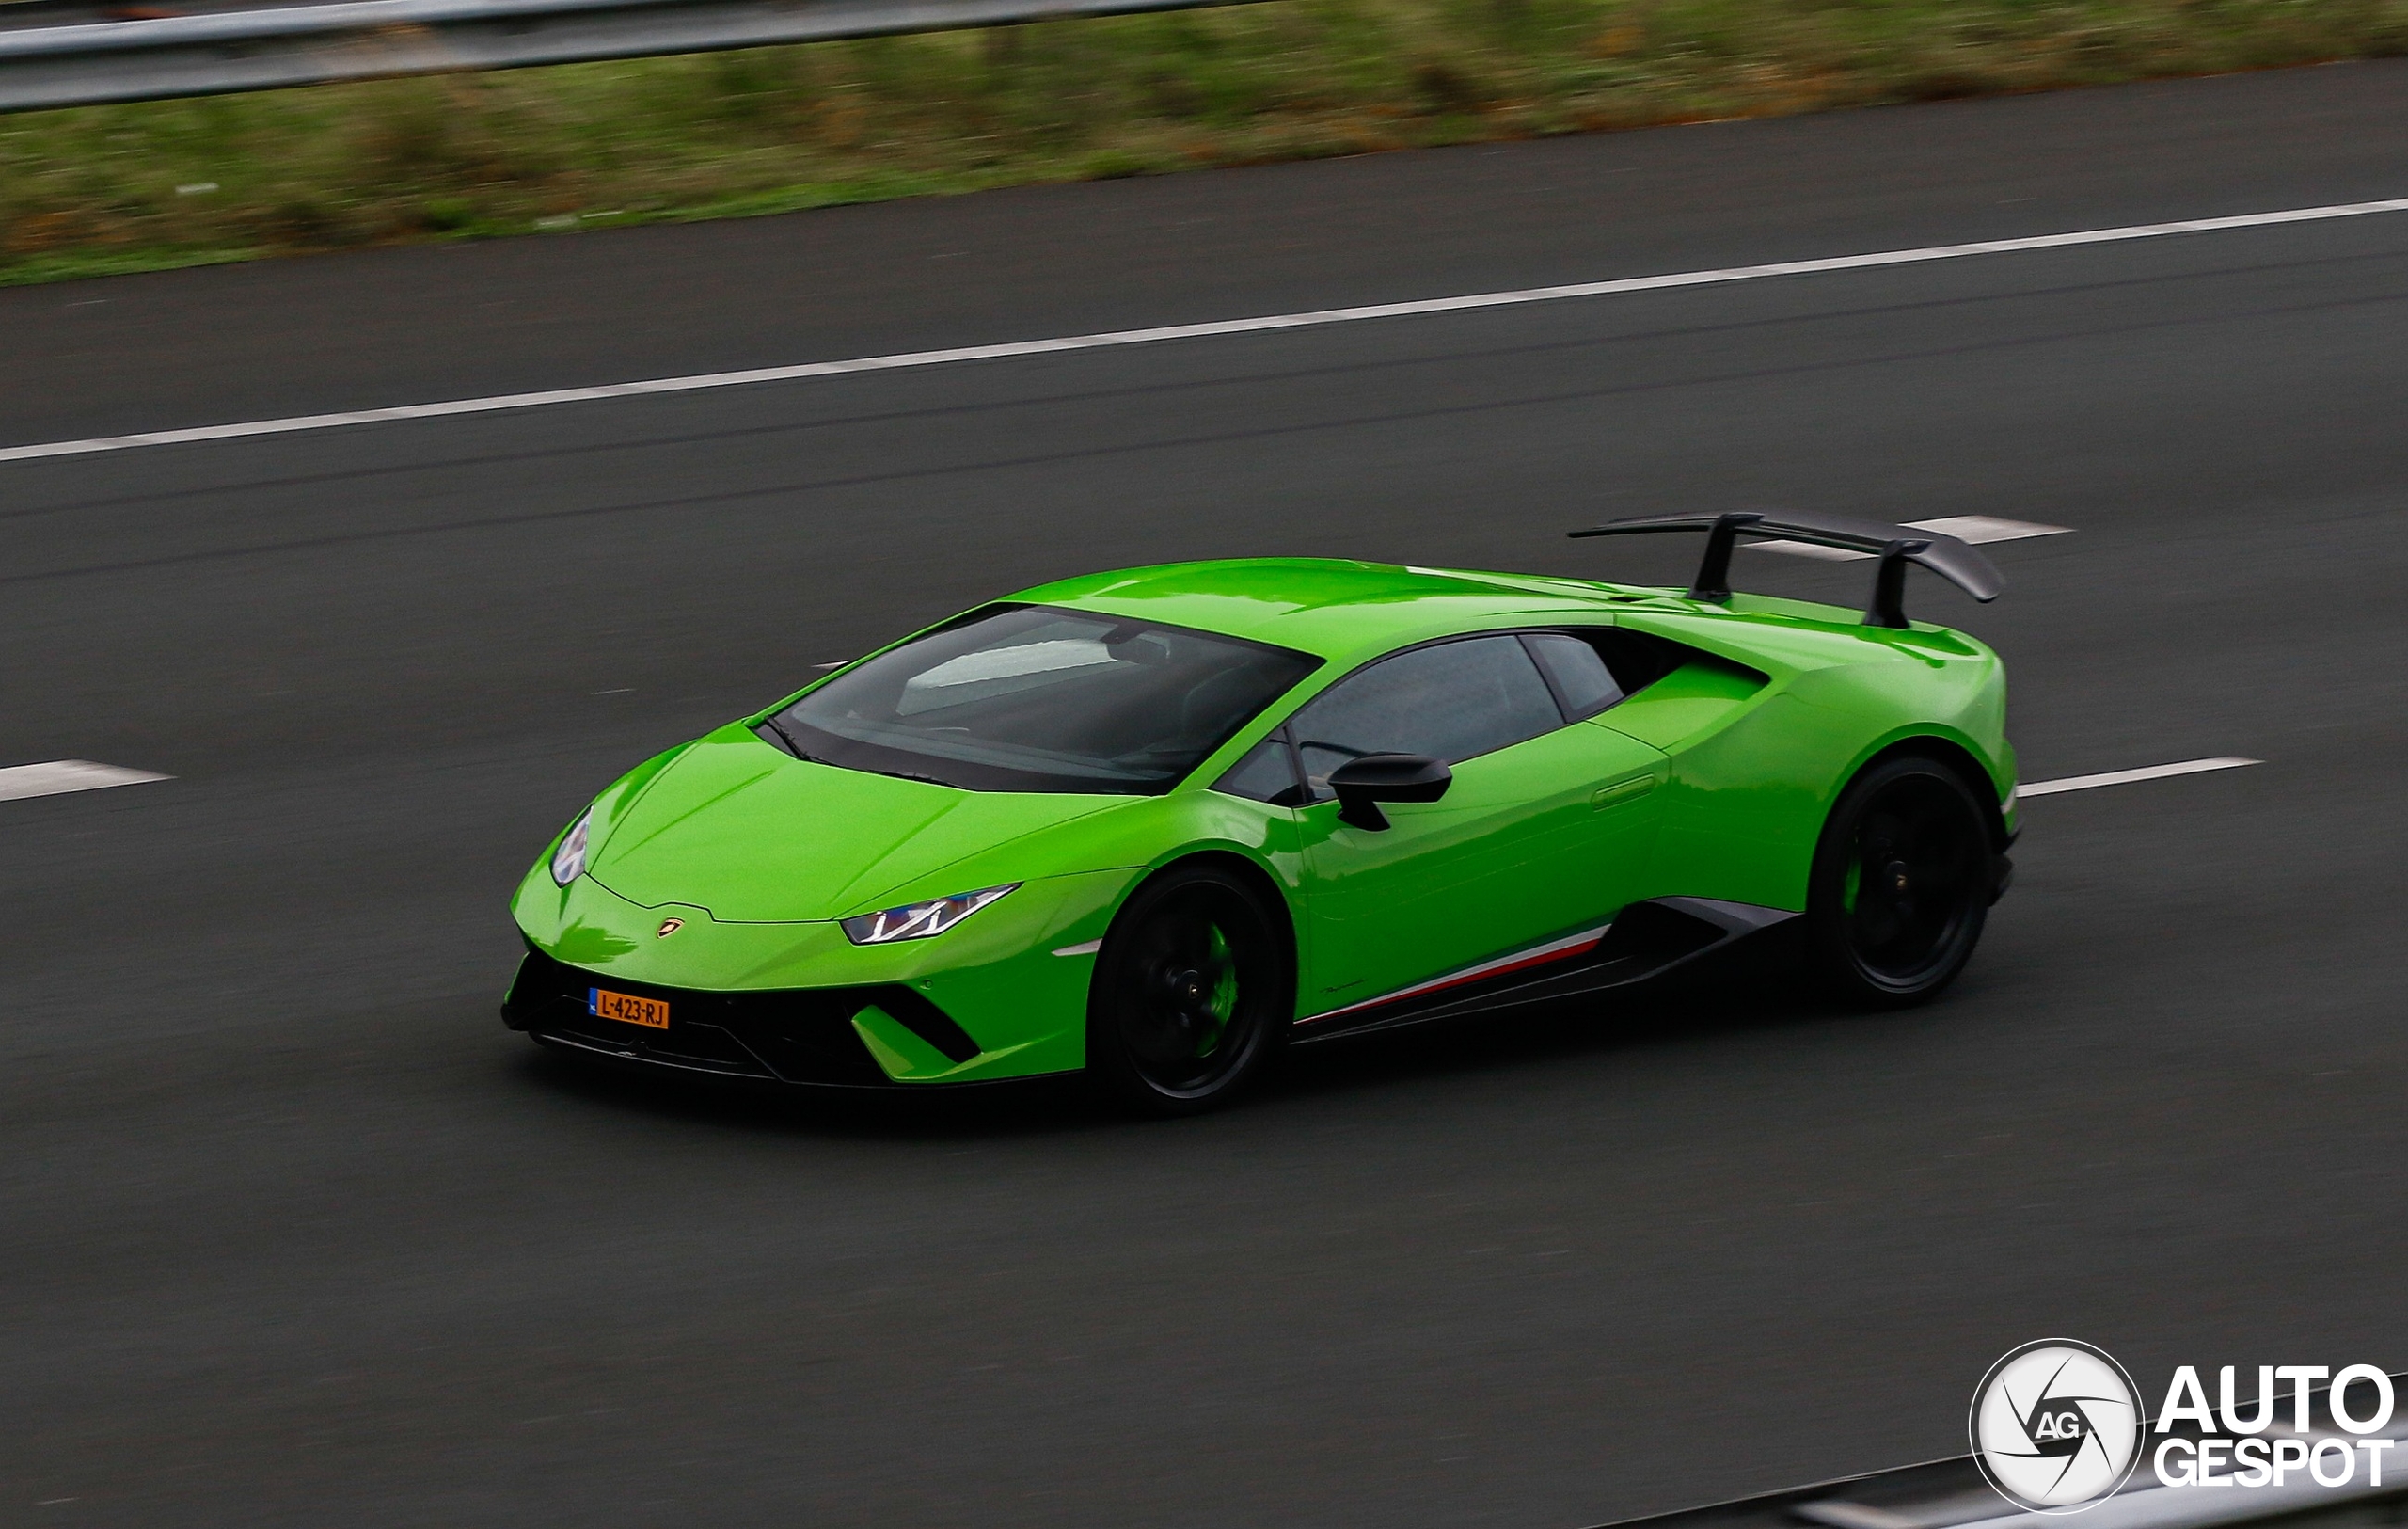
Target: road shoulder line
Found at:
x=1216, y=328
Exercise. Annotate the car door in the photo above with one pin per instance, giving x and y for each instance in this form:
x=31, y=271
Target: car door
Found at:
x=1544, y=831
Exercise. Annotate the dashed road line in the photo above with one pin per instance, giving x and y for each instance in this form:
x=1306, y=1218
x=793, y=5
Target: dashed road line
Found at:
x=62, y=776
x=1259, y=325
x=2123, y=777
x=1970, y=527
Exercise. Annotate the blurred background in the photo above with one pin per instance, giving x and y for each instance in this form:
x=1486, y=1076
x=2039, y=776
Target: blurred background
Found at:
x=723, y=134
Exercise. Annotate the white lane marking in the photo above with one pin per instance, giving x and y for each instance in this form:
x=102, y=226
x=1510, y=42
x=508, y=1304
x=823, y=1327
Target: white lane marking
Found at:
x=61, y=775
x=1987, y=528
x=1259, y=325
x=1971, y=528
x=1090, y=947
x=2120, y=777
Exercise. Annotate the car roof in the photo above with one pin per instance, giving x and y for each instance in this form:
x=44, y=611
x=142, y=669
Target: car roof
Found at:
x=1333, y=608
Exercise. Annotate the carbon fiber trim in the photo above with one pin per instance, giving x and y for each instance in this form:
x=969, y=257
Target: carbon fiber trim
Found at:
x=1645, y=940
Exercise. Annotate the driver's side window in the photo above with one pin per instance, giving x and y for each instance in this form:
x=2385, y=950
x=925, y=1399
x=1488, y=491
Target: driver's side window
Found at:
x=1455, y=701
x=1452, y=701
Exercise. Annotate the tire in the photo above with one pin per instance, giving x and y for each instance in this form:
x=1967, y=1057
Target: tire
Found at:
x=1193, y=992
x=1901, y=884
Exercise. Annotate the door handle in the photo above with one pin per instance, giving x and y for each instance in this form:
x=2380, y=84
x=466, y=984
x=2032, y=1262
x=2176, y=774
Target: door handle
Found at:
x=1622, y=791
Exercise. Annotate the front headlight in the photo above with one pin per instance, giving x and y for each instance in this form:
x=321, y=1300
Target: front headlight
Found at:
x=568, y=861
x=919, y=920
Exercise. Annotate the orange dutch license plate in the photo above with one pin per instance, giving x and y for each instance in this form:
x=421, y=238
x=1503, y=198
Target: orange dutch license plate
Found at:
x=650, y=1012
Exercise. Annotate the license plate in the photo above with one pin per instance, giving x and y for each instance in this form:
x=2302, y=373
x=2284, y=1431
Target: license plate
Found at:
x=650, y=1012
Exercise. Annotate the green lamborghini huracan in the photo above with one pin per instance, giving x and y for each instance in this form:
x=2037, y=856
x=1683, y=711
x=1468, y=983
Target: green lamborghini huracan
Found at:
x=1157, y=824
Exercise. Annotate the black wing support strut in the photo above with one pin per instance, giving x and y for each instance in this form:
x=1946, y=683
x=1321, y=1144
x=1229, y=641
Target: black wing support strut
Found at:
x=1896, y=545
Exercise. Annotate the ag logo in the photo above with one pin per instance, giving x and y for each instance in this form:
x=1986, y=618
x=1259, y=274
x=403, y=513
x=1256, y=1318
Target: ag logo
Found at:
x=2056, y=1427
x=667, y=927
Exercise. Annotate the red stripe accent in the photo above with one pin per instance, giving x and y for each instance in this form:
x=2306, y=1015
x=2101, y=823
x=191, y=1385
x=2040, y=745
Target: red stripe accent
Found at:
x=1581, y=948
x=1470, y=974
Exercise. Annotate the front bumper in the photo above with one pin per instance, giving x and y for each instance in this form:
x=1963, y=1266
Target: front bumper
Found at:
x=830, y=1037
x=797, y=1003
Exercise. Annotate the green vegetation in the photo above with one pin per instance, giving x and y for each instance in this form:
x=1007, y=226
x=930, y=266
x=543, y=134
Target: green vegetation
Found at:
x=114, y=188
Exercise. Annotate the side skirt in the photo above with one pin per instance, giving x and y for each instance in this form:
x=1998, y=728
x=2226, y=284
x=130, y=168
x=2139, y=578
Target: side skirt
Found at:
x=1645, y=940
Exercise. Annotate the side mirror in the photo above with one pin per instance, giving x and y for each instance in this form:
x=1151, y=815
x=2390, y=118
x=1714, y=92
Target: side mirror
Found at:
x=1363, y=784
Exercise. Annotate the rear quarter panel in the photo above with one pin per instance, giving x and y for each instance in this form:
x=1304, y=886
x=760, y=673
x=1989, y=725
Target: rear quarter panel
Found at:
x=1752, y=780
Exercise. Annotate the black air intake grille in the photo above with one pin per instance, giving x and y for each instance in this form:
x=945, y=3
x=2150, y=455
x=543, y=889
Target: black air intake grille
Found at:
x=801, y=1036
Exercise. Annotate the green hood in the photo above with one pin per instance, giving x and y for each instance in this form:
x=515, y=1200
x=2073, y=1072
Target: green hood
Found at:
x=755, y=836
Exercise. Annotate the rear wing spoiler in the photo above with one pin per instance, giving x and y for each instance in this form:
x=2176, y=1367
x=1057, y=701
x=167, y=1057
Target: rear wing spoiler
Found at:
x=1896, y=545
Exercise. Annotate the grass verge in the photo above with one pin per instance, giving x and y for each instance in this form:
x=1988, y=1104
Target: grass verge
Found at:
x=98, y=190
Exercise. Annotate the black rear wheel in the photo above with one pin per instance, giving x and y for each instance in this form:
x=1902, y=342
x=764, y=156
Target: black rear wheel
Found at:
x=1902, y=884
x=1193, y=989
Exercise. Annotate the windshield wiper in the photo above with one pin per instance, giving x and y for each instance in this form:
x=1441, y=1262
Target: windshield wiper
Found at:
x=799, y=752
x=792, y=747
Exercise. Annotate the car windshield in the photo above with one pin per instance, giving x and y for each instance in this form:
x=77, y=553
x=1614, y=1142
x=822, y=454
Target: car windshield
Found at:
x=1028, y=698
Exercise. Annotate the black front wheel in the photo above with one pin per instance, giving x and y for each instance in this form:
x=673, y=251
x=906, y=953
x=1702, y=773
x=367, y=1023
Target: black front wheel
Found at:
x=1193, y=990
x=1902, y=884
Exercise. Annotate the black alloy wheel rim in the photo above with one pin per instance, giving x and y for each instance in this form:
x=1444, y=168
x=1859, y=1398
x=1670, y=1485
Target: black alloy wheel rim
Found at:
x=1912, y=881
x=1191, y=1020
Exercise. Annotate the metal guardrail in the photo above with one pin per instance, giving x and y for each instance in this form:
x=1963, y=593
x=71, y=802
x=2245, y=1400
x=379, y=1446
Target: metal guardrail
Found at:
x=1951, y=1494
x=89, y=63
x=1955, y=1494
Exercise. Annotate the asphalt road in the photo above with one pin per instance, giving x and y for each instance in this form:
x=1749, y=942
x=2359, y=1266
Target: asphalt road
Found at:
x=295, y=1233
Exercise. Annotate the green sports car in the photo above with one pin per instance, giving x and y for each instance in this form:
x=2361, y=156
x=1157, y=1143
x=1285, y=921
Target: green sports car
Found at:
x=1157, y=824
